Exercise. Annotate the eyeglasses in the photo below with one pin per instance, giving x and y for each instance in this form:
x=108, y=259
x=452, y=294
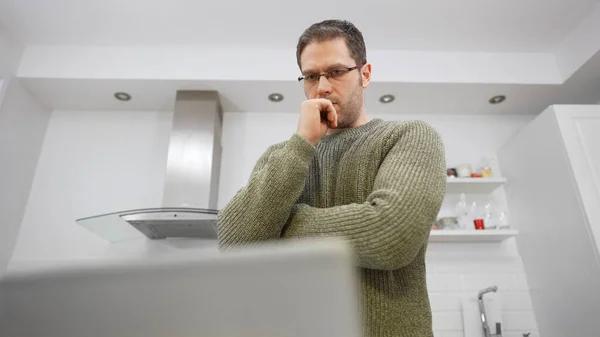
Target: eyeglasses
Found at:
x=337, y=73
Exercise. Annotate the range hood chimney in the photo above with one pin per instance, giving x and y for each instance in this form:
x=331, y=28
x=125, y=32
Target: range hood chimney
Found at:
x=191, y=188
x=194, y=160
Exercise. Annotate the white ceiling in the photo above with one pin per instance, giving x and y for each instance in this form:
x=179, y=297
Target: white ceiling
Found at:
x=506, y=29
x=458, y=25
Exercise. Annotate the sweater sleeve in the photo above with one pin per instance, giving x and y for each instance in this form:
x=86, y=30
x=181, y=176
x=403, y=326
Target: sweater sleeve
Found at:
x=392, y=225
x=258, y=211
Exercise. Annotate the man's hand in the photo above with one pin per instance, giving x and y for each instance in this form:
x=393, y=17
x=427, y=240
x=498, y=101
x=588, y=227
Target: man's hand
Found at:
x=316, y=117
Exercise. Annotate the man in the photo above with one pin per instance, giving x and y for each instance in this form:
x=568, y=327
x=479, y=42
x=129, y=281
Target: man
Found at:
x=378, y=184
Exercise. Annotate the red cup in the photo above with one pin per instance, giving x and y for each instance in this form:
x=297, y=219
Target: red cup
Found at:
x=478, y=224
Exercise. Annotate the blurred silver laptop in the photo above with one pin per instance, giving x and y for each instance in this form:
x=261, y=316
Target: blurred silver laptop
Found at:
x=296, y=289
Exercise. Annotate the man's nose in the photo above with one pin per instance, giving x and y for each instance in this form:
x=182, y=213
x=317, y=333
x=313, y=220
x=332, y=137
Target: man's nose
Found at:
x=324, y=87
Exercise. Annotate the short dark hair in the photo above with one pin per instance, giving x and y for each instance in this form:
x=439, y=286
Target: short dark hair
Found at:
x=330, y=30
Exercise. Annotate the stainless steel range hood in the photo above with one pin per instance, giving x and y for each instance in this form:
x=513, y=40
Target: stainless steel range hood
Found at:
x=191, y=187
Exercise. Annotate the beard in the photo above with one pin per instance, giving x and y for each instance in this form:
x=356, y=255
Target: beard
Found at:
x=349, y=111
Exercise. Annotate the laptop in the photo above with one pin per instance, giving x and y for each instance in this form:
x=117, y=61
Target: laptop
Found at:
x=283, y=289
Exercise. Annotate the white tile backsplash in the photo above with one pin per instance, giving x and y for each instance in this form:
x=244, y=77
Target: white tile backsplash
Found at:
x=519, y=334
x=451, y=320
x=519, y=321
x=453, y=334
x=443, y=301
x=519, y=301
x=472, y=263
x=443, y=283
x=478, y=282
x=455, y=271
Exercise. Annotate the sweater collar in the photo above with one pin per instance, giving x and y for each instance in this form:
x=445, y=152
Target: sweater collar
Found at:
x=352, y=132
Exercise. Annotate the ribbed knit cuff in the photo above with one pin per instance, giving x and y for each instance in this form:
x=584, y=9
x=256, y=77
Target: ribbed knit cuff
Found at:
x=301, y=147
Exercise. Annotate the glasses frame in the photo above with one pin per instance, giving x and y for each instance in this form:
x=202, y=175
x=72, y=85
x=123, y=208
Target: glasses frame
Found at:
x=327, y=74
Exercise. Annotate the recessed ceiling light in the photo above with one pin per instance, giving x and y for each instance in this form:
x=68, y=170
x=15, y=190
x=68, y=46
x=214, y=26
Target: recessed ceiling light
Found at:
x=497, y=99
x=387, y=98
x=275, y=97
x=122, y=96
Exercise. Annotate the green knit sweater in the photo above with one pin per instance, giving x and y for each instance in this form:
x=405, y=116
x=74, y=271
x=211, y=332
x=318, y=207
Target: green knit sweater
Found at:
x=380, y=186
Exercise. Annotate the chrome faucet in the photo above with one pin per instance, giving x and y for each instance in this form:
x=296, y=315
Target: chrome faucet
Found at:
x=484, y=323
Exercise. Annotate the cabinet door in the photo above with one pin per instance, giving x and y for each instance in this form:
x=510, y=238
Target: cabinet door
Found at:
x=580, y=128
x=552, y=166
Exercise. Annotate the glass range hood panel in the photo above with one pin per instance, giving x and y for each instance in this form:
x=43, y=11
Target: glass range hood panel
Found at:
x=154, y=223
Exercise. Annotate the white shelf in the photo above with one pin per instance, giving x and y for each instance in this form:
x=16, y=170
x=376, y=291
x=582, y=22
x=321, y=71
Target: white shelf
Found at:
x=473, y=185
x=490, y=235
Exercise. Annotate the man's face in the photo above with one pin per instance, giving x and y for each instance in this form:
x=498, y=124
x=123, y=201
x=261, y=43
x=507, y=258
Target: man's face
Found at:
x=345, y=91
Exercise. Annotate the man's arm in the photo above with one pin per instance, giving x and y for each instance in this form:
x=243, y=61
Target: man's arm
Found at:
x=392, y=225
x=259, y=210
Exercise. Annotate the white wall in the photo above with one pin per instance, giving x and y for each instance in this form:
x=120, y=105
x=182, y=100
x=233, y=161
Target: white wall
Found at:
x=10, y=53
x=16, y=166
x=23, y=122
x=101, y=161
x=579, y=46
x=92, y=162
x=246, y=136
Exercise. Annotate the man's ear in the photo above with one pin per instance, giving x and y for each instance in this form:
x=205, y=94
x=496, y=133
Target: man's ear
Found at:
x=365, y=72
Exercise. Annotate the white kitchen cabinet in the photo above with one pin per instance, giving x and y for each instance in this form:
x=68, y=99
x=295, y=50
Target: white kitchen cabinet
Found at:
x=552, y=166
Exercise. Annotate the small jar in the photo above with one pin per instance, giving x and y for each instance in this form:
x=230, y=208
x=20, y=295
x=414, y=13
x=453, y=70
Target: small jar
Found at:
x=486, y=171
x=464, y=170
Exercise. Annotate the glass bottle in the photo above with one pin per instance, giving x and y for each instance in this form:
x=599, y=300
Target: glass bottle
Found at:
x=462, y=211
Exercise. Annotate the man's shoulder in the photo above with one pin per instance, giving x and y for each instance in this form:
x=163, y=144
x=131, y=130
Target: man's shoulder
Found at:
x=402, y=127
x=278, y=145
